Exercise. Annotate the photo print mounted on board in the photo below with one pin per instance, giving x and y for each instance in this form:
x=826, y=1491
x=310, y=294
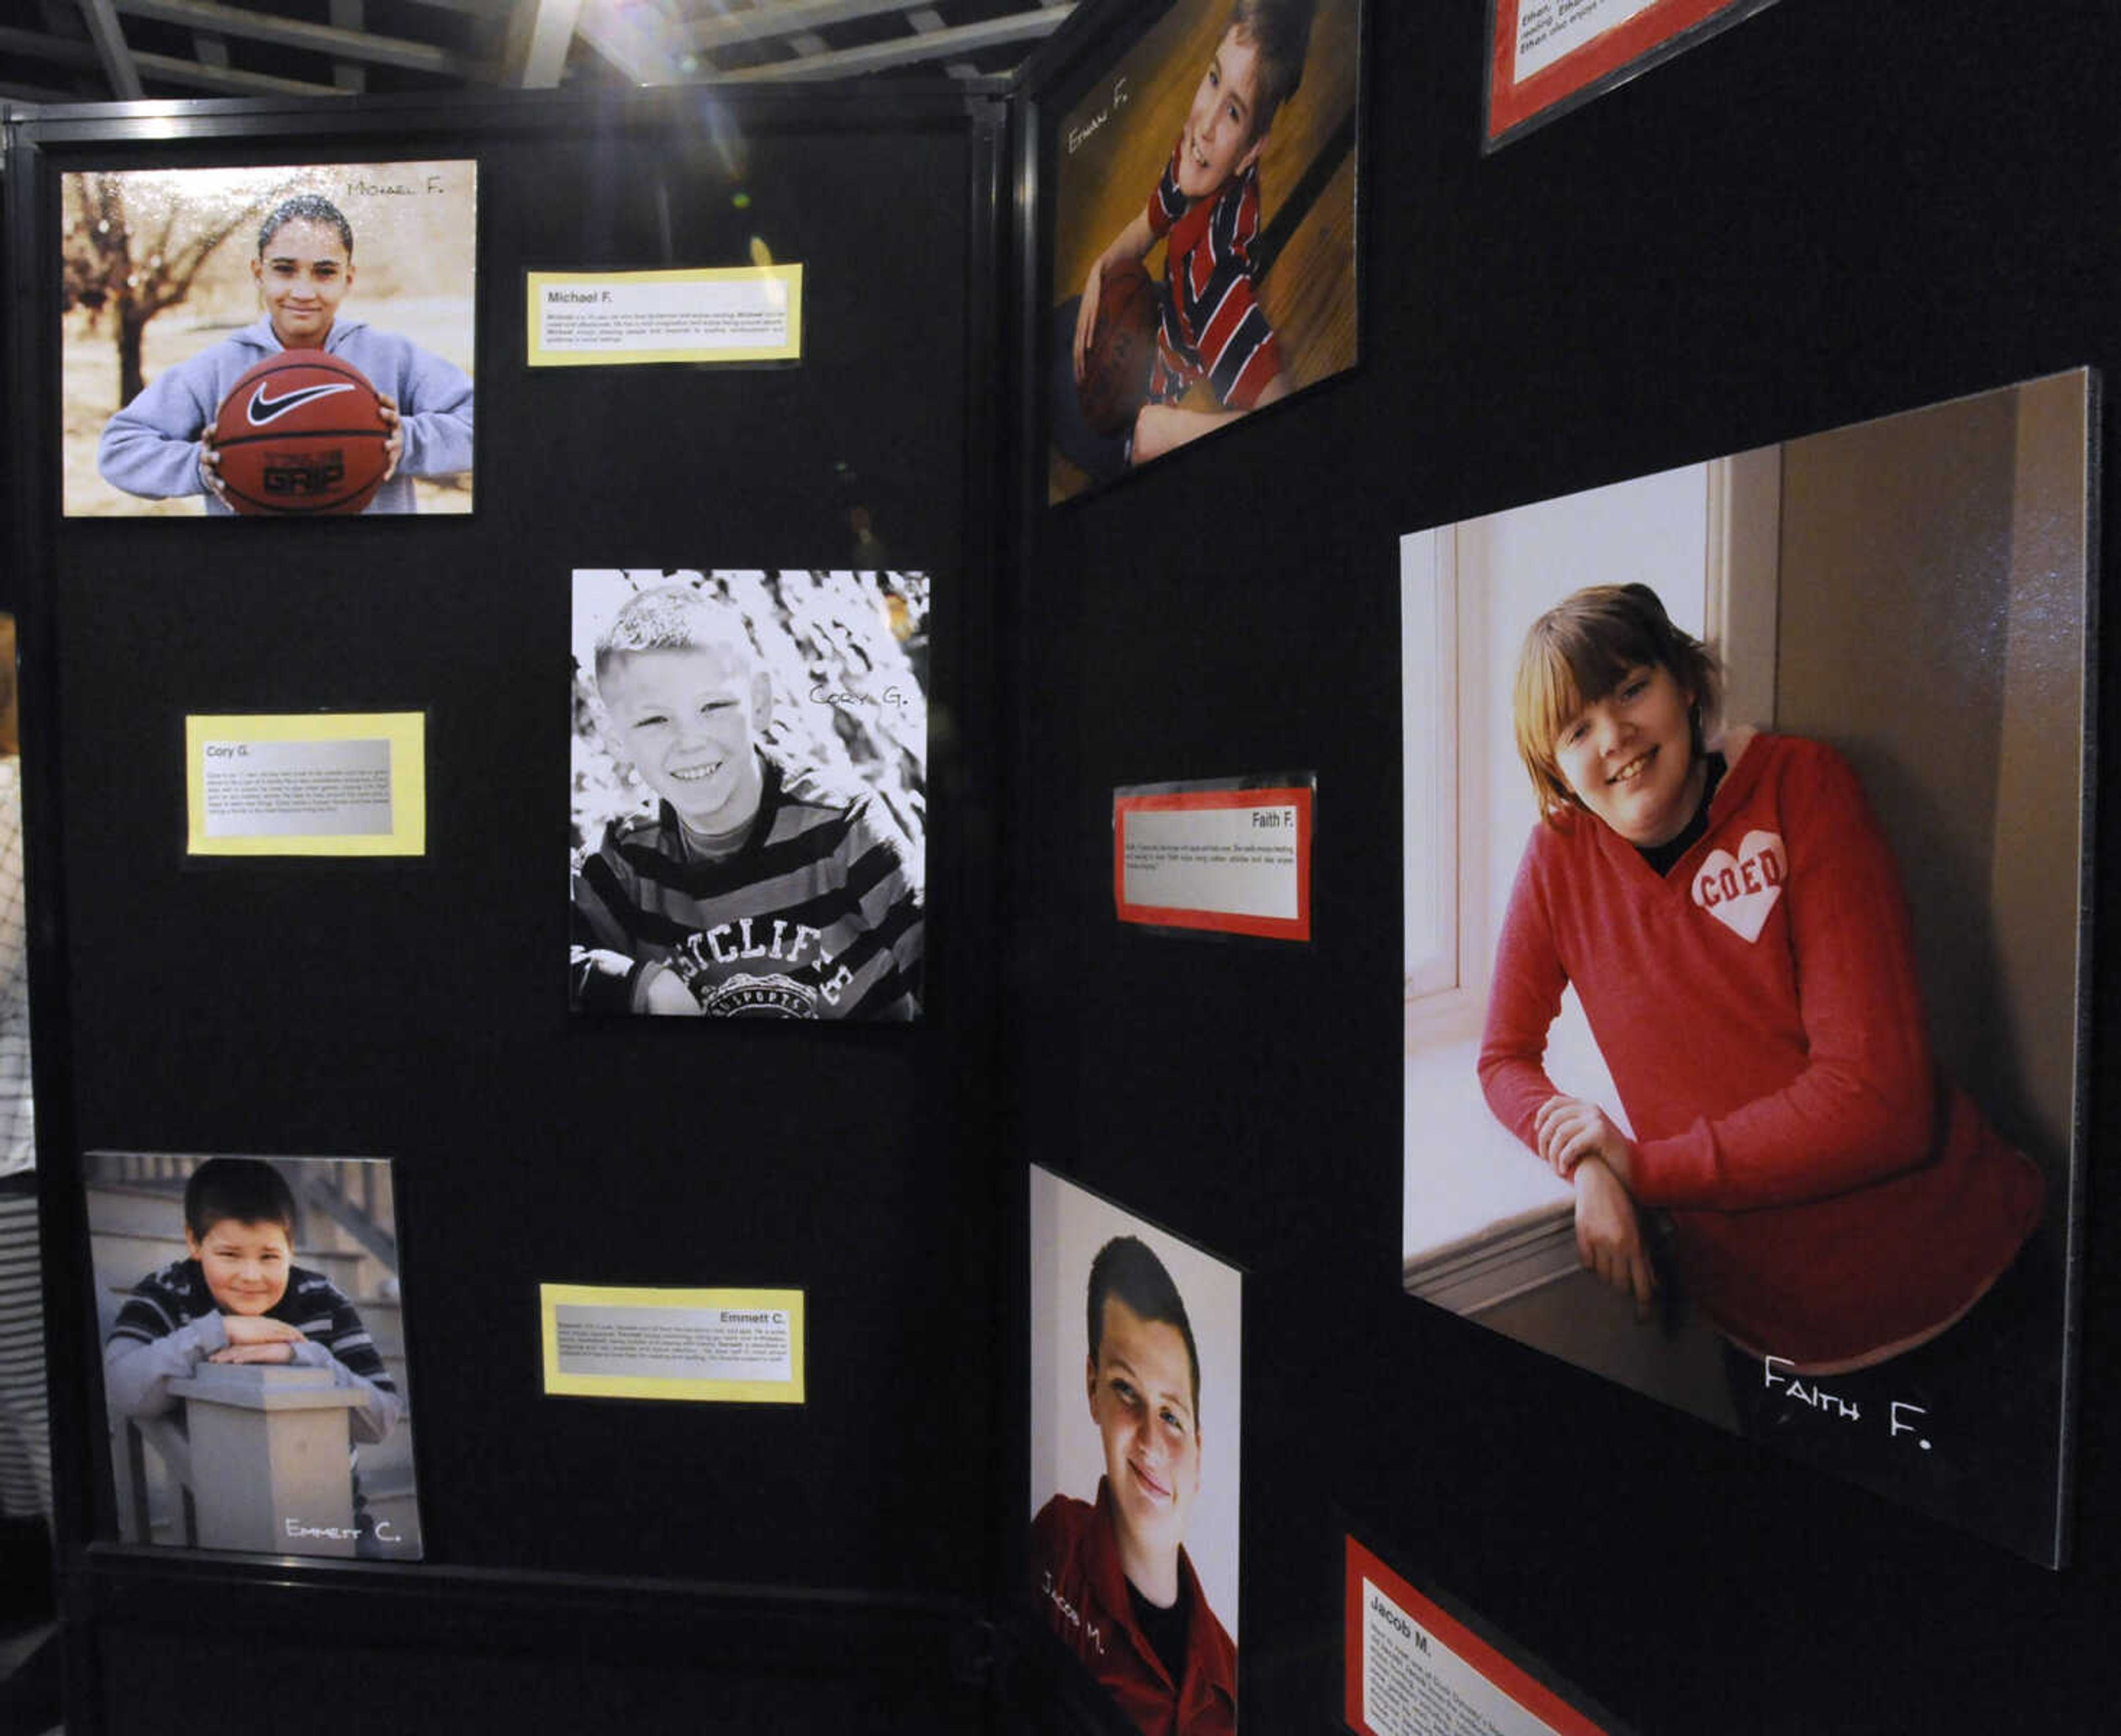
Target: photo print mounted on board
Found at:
x=1204, y=230
x=1136, y=1415
x=291, y=341
x=748, y=798
x=254, y=1353
x=1747, y=837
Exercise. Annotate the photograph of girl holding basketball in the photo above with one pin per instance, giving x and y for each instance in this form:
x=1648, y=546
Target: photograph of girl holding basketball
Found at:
x=1204, y=240
x=216, y=347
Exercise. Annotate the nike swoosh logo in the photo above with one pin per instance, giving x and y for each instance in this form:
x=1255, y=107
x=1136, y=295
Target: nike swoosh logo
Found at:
x=261, y=409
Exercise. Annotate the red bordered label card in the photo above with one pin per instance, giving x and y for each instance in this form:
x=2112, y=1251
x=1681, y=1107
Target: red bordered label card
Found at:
x=1411, y=1668
x=1545, y=55
x=1214, y=857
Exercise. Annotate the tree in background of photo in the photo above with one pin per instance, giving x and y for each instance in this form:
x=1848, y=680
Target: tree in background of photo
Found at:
x=846, y=653
x=109, y=268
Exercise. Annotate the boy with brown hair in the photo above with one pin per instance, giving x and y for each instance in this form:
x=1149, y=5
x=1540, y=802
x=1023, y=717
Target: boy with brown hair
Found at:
x=1207, y=210
x=1113, y=1576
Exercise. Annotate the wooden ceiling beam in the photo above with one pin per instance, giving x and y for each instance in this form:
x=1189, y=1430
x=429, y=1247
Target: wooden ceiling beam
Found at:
x=295, y=33
x=911, y=50
x=762, y=23
x=540, y=32
x=110, y=49
x=228, y=80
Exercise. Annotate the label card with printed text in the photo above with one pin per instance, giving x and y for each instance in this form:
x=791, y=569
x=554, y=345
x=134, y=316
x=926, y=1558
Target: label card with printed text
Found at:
x=730, y=1346
x=1223, y=855
x=1547, y=56
x=1412, y=1669
x=314, y=783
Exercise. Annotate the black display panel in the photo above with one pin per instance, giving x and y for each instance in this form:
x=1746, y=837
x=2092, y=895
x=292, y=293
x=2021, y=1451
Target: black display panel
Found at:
x=1827, y=215
x=1833, y=214
x=417, y=1008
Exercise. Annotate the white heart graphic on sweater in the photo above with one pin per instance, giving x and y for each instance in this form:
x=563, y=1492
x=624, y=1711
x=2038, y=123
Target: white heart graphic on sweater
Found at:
x=1740, y=890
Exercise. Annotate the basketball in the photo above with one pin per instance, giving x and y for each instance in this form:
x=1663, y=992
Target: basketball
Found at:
x=300, y=434
x=1122, y=345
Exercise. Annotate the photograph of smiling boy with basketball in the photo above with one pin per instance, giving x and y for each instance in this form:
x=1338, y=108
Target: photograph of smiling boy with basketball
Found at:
x=1204, y=230
x=184, y=289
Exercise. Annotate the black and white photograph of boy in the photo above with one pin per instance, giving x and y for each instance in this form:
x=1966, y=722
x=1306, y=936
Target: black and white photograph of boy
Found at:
x=749, y=793
x=254, y=1353
x=1135, y=1409
x=1745, y=833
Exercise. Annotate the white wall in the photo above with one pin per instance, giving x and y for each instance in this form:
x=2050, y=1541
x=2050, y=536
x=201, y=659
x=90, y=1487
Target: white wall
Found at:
x=1463, y=1172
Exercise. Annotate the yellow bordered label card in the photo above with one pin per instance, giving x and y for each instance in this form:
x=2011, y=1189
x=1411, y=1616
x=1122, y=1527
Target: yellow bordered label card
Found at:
x=309, y=783
x=607, y=319
x=702, y=1346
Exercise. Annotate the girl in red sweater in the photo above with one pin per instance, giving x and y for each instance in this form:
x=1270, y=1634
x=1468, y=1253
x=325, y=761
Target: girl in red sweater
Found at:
x=1731, y=918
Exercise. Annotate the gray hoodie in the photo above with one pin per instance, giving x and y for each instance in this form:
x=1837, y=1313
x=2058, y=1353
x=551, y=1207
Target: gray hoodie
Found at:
x=152, y=446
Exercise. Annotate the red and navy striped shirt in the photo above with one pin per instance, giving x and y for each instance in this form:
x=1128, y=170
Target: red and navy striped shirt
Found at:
x=1214, y=327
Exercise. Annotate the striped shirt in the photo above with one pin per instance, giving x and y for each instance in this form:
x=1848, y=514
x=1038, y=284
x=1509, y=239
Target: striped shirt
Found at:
x=25, y=1450
x=816, y=914
x=1214, y=327
x=168, y=1325
x=18, y=1145
x=25, y=1438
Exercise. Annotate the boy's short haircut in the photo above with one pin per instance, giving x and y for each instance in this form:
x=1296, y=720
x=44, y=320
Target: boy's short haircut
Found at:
x=1279, y=32
x=1576, y=653
x=672, y=618
x=308, y=207
x=247, y=1189
x=1126, y=1270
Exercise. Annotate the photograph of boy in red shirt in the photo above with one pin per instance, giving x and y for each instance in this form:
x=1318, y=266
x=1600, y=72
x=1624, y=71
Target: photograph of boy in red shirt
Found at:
x=1189, y=114
x=1121, y=1578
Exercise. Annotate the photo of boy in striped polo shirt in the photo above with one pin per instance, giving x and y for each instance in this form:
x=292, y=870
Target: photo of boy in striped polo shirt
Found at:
x=224, y=1459
x=761, y=882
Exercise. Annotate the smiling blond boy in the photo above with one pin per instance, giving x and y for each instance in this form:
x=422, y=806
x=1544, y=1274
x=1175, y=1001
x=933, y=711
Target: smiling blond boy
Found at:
x=759, y=888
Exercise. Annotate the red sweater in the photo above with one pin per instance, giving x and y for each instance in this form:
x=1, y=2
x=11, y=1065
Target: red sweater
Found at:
x=1076, y=1574
x=1759, y=1010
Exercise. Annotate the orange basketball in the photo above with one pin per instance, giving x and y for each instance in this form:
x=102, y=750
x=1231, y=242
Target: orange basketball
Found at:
x=301, y=433
x=1122, y=345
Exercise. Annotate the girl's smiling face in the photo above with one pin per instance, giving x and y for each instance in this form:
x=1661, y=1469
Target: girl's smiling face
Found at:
x=1629, y=757
x=303, y=272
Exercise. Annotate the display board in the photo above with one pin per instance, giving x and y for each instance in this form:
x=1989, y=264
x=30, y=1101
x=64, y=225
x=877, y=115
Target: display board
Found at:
x=1763, y=238
x=413, y=1006
x=732, y=1366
